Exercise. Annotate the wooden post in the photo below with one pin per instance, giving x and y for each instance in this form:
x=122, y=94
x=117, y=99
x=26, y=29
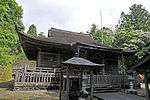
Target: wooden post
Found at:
x=28, y=77
x=81, y=76
x=124, y=73
x=39, y=58
x=67, y=84
x=77, y=52
x=60, y=87
x=91, y=85
x=24, y=73
x=120, y=63
x=103, y=62
x=37, y=77
x=16, y=76
x=146, y=85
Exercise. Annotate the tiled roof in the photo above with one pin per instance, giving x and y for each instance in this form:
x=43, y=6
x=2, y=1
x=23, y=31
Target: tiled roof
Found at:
x=81, y=62
x=68, y=37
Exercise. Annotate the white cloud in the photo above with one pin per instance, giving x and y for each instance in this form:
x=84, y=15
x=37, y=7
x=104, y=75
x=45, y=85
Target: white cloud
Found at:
x=74, y=15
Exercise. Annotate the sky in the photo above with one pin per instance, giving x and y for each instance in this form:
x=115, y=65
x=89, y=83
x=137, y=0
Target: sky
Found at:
x=75, y=15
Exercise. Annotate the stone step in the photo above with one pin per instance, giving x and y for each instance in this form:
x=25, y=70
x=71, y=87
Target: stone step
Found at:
x=106, y=89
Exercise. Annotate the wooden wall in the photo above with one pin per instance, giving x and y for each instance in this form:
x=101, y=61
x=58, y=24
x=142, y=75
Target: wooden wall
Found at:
x=46, y=59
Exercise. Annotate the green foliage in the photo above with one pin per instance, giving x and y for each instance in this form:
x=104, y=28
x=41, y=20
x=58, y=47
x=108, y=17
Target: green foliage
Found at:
x=143, y=43
x=133, y=33
x=137, y=19
x=123, y=39
x=32, y=32
x=41, y=34
x=133, y=30
x=10, y=24
x=103, y=35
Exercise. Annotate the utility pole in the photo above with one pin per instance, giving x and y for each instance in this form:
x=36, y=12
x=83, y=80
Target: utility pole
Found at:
x=101, y=25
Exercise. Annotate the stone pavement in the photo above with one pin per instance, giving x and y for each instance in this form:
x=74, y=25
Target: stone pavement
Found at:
x=118, y=96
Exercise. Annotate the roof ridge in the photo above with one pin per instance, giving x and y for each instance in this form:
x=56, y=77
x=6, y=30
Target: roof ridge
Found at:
x=70, y=32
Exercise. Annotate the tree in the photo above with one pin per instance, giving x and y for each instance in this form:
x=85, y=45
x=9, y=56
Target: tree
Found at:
x=41, y=34
x=32, y=32
x=103, y=35
x=137, y=19
x=122, y=38
x=133, y=33
x=10, y=24
x=133, y=29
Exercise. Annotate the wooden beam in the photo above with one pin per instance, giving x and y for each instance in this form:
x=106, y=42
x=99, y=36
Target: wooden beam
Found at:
x=91, y=85
x=146, y=85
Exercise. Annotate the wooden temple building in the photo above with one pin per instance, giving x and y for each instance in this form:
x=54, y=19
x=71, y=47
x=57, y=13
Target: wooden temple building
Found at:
x=50, y=54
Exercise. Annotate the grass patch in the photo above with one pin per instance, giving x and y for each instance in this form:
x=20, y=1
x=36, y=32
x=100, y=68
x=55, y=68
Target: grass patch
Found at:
x=27, y=95
x=3, y=90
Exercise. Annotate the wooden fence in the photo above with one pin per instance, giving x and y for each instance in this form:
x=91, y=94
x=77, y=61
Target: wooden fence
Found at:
x=25, y=77
x=105, y=80
x=29, y=78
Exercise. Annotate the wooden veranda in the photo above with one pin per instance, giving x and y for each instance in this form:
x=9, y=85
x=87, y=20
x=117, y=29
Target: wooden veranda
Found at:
x=39, y=78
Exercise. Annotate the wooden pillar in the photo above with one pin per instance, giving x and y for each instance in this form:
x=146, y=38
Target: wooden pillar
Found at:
x=67, y=84
x=16, y=76
x=81, y=76
x=120, y=63
x=24, y=73
x=91, y=85
x=124, y=72
x=50, y=78
x=45, y=78
x=28, y=77
x=78, y=51
x=25, y=68
x=103, y=62
x=23, y=77
x=37, y=77
x=39, y=58
x=146, y=85
x=43, y=75
x=60, y=87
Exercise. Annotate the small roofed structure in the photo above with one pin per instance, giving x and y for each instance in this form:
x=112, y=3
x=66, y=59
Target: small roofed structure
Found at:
x=143, y=67
x=73, y=69
x=78, y=61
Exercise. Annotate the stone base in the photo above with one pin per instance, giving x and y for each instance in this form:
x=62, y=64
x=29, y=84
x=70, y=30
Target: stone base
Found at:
x=131, y=91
